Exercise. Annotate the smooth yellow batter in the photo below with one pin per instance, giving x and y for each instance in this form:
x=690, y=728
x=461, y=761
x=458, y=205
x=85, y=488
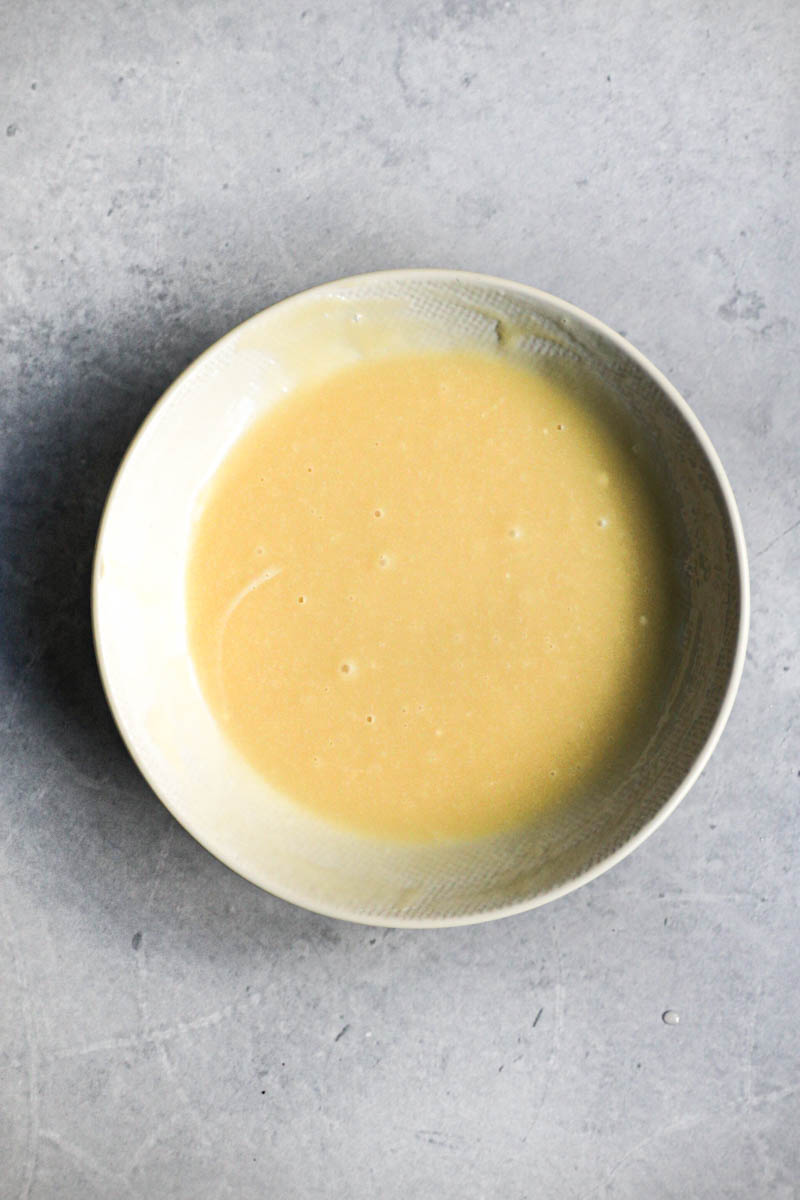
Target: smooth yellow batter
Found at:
x=430, y=595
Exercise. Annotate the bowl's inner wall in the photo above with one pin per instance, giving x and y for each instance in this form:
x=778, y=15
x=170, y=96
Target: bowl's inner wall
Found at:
x=234, y=814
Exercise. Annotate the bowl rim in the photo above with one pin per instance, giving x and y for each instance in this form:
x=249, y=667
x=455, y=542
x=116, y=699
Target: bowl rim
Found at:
x=737, y=664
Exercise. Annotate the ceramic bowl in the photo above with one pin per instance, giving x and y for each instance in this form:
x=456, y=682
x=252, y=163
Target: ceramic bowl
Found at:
x=140, y=620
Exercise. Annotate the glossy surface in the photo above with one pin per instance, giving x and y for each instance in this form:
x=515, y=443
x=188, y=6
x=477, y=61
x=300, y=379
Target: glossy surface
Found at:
x=431, y=595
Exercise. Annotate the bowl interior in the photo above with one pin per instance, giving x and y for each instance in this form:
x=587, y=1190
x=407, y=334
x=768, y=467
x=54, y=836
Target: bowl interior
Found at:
x=140, y=624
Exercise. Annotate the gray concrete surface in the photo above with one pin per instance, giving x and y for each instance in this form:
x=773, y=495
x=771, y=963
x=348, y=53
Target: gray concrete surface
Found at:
x=168, y=1031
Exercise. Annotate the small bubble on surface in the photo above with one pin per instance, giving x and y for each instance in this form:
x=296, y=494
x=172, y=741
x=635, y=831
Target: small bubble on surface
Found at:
x=383, y=561
x=346, y=668
x=378, y=512
x=670, y=1017
x=515, y=532
x=643, y=620
x=602, y=522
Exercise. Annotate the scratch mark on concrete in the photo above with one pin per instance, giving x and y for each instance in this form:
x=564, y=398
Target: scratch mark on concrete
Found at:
x=18, y=690
x=775, y=540
x=85, y=1160
x=671, y=1127
x=410, y=98
x=150, y=1036
x=552, y=1058
x=166, y=1062
x=114, y=382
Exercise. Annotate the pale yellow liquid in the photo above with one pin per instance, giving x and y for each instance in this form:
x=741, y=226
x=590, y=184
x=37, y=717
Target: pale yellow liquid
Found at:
x=430, y=596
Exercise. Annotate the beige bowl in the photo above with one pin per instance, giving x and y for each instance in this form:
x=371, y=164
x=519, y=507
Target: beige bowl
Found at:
x=140, y=623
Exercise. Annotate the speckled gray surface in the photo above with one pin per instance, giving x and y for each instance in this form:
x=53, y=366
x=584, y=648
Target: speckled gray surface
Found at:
x=169, y=1031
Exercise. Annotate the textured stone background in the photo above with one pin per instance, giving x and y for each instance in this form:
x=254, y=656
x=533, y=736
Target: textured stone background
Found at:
x=169, y=1031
